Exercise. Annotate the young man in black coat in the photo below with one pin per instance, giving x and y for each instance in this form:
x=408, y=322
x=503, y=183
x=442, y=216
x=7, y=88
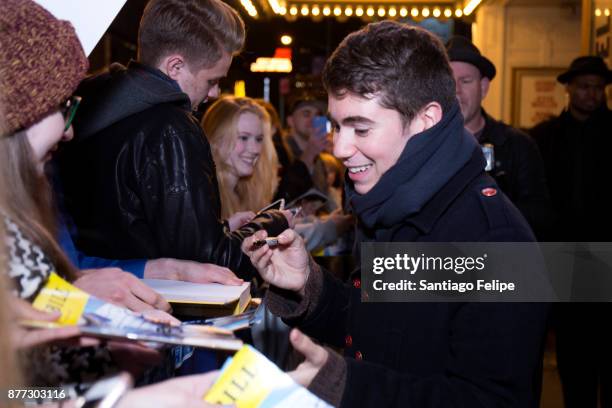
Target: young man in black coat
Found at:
x=516, y=165
x=139, y=179
x=413, y=174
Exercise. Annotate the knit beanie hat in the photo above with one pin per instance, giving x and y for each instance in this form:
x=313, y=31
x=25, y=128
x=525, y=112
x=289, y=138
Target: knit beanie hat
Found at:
x=41, y=63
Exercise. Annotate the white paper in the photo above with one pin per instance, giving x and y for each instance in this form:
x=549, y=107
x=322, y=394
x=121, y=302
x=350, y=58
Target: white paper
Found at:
x=197, y=292
x=90, y=18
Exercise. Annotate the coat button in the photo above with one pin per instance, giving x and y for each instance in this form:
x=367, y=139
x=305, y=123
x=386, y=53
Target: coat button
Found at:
x=489, y=191
x=348, y=340
x=358, y=356
x=357, y=283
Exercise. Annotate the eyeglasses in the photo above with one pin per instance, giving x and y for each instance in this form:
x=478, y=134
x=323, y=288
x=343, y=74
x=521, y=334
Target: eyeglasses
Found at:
x=69, y=109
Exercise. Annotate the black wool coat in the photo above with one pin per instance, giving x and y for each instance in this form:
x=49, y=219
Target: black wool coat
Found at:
x=430, y=355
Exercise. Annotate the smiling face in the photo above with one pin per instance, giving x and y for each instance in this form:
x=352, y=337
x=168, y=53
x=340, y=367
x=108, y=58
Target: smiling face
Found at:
x=368, y=138
x=248, y=145
x=45, y=136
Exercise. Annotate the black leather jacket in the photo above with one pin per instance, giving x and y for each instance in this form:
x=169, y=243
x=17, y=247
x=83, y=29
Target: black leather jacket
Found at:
x=140, y=181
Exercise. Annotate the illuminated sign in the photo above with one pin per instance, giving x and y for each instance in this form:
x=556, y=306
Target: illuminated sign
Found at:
x=262, y=64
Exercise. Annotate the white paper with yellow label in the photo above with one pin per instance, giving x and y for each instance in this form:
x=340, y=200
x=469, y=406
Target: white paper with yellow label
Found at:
x=250, y=380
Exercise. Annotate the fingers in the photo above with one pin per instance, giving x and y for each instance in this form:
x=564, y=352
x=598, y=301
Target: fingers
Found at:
x=313, y=353
x=150, y=297
x=36, y=337
x=157, y=316
x=25, y=311
x=218, y=274
x=247, y=244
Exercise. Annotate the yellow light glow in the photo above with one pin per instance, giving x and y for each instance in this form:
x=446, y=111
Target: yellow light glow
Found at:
x=286, y=39
x=282, y=11
x=437, y=12
x=293, y=11
x=326, y=11
x=458, y=13
x=414, y=12
x=381, y=12
x=240, y=89
x=348, y=11
x=271, y=65
x=275, y=6
x=448, y=13
x=249, y=7
x=597, y=12
x=370, y=11
x=467, y=10
x=403, y=12
x=425, y=12
x=305, y=10
x=315, y=11
x=337, y=11
x=359, y=11
x=607, y=12
x=392, y=12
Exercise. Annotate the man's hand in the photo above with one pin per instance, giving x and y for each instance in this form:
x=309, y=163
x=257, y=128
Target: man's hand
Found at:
x=285, y=266
x=121, y=288
x=189, y=271
x=240, y=218
x=316, y=357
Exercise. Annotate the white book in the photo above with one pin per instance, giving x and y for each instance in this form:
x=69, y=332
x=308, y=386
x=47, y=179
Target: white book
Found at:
x=202, y=299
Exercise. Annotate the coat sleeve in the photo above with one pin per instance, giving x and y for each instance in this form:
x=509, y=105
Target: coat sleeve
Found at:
x=492, y=362
x=176, y=186
x=322, y=313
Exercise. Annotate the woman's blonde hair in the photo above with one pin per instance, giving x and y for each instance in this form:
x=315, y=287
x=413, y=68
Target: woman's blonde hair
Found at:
x=220, y=124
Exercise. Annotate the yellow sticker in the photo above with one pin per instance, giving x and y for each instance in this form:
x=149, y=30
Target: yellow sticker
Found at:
x=59, y=295
x=247, y=381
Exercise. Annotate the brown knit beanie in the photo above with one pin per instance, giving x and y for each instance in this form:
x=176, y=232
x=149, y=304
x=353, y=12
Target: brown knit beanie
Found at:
x=41, y=63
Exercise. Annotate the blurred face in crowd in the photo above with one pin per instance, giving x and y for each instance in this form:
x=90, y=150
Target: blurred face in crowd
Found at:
x=45, y=136
x=249, y=145
x=471, y=88
x=300, y=121
x=200, y=85
x=586, y=93
x=368, y=138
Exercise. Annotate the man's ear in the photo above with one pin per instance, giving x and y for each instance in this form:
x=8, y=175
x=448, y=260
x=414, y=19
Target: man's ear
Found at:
x=172, y=65
x=290, y=121
x=484, y=87
x=430, y=115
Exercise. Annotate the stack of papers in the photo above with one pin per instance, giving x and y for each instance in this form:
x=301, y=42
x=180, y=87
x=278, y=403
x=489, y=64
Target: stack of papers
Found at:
x=98, y=318
x=202, y=299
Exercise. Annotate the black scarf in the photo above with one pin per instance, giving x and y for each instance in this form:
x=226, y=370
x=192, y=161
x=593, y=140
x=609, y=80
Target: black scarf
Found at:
x=427, y=163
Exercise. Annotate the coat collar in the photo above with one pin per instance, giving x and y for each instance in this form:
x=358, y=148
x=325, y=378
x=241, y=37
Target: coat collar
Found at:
x=431, y=213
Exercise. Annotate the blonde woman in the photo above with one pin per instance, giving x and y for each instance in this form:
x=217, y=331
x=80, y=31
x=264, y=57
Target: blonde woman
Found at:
x=240, y=136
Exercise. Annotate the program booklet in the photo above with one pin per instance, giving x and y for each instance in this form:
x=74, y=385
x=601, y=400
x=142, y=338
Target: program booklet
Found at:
x=250, y=380
x=98, y=318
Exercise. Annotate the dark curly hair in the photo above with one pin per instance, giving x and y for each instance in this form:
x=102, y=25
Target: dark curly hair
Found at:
x=406, y=66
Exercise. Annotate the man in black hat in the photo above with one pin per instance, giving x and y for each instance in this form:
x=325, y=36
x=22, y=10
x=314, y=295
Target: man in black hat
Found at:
x=576, y=148
x=305, y=140
x=512, y=157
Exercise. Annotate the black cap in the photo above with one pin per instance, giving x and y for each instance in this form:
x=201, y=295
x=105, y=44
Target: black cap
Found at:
x=300, y=99
x=461, y=49
x=586, y=65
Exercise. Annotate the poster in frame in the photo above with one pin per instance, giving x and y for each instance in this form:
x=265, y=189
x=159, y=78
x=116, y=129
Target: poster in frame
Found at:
x=536, y=95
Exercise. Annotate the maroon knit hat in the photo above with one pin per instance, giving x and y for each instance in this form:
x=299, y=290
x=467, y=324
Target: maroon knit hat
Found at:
x=41, y=63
